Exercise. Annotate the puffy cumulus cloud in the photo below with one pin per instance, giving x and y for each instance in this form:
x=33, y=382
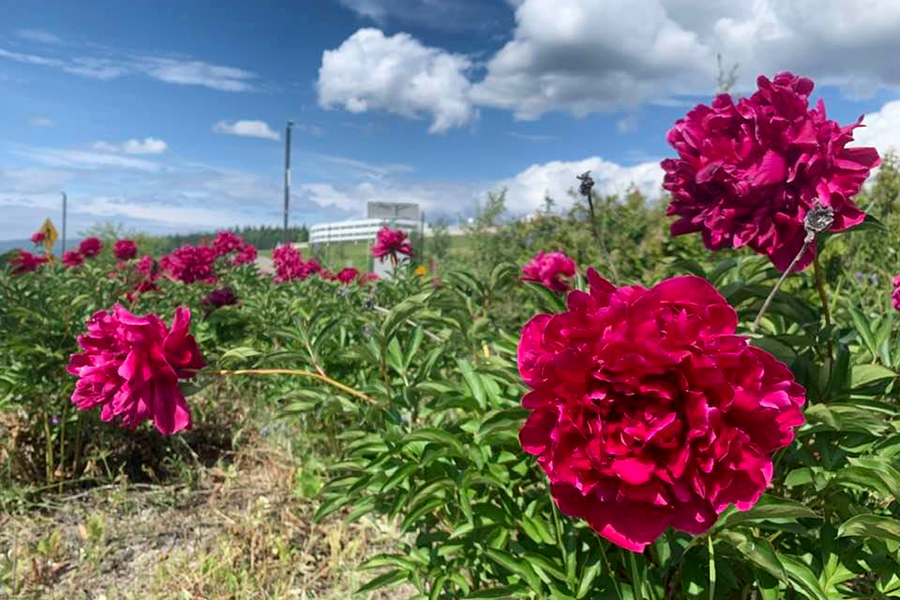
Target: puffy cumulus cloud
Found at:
x=145, y=146
x=247, y=128
x=526, y=191
x=397, y=74
x=882, y=129
x=586, y=56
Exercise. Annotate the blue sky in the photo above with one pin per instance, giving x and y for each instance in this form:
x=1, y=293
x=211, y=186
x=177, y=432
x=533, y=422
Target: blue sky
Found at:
x=169, y=116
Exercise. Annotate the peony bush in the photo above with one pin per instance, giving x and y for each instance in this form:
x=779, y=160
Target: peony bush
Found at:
x=714, y=432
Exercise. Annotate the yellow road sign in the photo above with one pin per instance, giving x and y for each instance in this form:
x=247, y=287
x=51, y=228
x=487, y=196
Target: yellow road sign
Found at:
x=50, y=234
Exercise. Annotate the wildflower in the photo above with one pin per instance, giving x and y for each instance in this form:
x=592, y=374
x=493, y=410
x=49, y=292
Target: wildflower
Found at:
x=129, y=367
x=748, y=172
x=648, y=410
x=548, y=269
x=125, y=249
x=90, y=247
x=37, y=238
x=72, y=258
x=391, y=242
x=26, y=262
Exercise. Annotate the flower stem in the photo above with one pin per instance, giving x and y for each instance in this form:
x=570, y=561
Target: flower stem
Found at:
x=603, y=248
x=826, y=310
x=299, y=373
x=771, y=296
x=637, y=582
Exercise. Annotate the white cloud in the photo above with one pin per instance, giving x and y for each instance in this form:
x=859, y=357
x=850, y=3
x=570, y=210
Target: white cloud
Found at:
x=627, y=124
x=40, y=122
x=882, y=129
x=526, y=191
x=83, y=159
x=396, y=74
x=109, y=65
x=38, y=35
x=146, y=146
x=444, y=15
x=247, y=128
x=533, y=137
x=587, y=56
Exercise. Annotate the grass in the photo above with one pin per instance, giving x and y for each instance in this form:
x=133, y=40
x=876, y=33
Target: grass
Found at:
x=240, y=528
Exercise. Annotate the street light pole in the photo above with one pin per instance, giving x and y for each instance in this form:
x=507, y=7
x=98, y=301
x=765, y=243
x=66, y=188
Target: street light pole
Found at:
x=287, y=177
x=64, y=224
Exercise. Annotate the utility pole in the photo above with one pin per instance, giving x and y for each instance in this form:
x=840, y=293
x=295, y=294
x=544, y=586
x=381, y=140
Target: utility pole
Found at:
x=287, y=177
x=63, y=224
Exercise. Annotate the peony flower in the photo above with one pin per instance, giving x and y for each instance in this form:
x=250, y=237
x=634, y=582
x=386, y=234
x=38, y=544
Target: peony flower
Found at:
x=147, y=265
x=368, y=277
x=190, y=263
x=217, y=298
x=37, y=238
x=125, y=249
x=895, y=296
x=72, y=258
x=649, y=411
x=130, y=366
x=327, y=275
x=245, y=254
x=548, y=268
x=26, y=262
x=289, y=264
x=90, y=247
x=347, y=275
x=227, y=242
x=391, y=242
x=747, y=173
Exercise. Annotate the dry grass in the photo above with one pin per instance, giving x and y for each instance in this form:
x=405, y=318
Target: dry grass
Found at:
x=242, y=531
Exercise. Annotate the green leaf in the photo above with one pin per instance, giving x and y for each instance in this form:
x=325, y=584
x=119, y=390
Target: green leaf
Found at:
x=473, y=382
x=870, y=526
x=508, y=591
x=519, y=567
x=388, y=579
x=758, y=550
x=436, y=436
x=770, y=507
x=864, y=375
x=802, y=577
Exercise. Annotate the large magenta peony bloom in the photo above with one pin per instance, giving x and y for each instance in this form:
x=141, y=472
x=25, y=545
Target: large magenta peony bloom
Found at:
x=747, y=173
x=347, y=275
x=72, y=258
x=190, y=263
x=125, y=249
x=38, y=238
x=26, y=262
x=895, y=296
x=391, y=242
x=227, y=242
x=548, y=268
x=649, y=411
x=246, y=254
x=147, y=265
x=90, y=247
x=130, y=366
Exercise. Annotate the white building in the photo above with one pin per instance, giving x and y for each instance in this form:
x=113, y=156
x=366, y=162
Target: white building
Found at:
x=356, y=230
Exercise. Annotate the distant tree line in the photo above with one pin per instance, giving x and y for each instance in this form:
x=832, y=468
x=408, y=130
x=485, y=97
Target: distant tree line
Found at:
x=264, y=237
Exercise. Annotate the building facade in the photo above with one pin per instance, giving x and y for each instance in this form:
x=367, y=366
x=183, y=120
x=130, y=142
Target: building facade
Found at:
x=356, y=230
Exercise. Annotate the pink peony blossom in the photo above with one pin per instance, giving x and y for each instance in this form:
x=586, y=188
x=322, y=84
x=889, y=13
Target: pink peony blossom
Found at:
x=125, y=249
x=548, y=268
x=391, y=242
x=748, y=173
x=368, y=277
x=147, y=265
x=72, y=258
x=190, y=263
x=90, y=247
x=227, y=242
x=347, y=275
x=245, y=254
x=289, y=264
x=26, y=262
x=130, y=366
x=37, y=238
x=648, y=410
x=895, y=296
